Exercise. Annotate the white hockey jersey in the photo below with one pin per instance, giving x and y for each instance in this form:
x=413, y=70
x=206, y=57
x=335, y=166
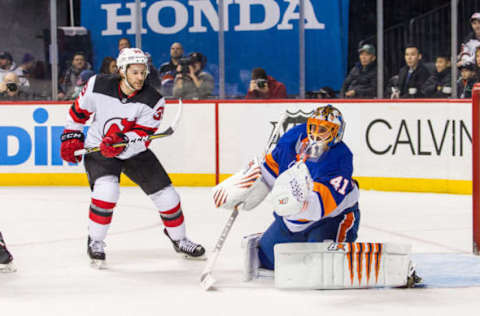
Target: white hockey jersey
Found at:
x=136, y=115
x=468, y=49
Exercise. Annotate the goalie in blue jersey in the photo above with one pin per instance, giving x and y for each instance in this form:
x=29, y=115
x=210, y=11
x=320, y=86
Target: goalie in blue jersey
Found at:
x=314, y=195
x=308, y=180
x=309, y=177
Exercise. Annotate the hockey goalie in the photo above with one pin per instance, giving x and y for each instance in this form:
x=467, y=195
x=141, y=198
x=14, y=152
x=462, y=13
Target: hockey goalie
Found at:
x=307, y=178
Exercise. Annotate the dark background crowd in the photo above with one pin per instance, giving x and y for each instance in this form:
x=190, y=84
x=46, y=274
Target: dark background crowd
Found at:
x=417, y=60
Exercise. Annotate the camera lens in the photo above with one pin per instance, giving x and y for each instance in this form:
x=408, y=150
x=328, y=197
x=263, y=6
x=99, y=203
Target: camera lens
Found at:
x=12, y=86
x=261, y=83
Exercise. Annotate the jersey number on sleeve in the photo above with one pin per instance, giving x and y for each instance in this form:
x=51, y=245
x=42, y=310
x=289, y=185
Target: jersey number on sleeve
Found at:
x=340, y=184
x=158, y=115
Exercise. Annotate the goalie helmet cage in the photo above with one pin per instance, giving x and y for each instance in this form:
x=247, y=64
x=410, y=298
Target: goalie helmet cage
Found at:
x=476, y=168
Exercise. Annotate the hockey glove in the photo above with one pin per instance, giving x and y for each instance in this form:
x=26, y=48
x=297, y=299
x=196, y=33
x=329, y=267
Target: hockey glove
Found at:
x=106, y=147
x=72, y=140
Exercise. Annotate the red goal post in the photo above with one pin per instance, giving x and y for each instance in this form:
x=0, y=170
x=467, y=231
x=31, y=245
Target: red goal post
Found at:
x=476, y=167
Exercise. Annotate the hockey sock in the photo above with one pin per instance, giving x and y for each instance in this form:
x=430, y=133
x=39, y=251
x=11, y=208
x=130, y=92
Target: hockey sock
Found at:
x=168, y=203
x=104, y=198
x=100, y=217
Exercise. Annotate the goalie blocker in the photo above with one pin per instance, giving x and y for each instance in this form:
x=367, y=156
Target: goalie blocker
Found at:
x=330, y=265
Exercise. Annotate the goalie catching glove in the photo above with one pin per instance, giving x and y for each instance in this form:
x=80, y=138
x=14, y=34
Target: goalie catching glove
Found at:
x=245, y=189
x=291, y=190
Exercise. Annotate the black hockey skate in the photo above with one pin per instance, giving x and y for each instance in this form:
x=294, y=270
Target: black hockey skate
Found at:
x=96, y=253
x=188, y=248
x=6, y=258
x=413, y=280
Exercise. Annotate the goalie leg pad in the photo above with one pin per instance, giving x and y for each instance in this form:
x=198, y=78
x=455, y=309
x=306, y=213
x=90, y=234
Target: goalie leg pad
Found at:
x=331, y=265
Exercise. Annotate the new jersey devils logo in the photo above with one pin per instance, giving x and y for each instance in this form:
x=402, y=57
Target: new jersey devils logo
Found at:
x=116, y=125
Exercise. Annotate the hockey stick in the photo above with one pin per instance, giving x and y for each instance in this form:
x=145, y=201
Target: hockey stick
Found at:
x=167, y=132
x=206, y=279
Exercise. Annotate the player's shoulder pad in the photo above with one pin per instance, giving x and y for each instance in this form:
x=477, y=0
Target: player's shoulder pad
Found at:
x=106, y=84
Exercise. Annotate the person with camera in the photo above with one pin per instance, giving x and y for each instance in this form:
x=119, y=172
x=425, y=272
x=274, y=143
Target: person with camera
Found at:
x=10, y=88
x=8, y=65
x=168, y=69
x=191, y=82
x=265, y=87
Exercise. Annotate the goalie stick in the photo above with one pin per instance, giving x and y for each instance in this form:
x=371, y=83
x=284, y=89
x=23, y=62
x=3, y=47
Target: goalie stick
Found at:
x=206, y=279
x=167, y=132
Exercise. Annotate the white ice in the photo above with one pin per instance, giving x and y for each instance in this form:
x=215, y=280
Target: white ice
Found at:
x=45, y=229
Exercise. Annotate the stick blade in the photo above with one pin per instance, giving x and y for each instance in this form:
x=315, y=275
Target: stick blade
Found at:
x=207, y=281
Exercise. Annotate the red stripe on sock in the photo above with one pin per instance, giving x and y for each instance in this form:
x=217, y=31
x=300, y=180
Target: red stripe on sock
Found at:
x=174, y=223
x=171, y=211
x=103, y=220
x=103, y=204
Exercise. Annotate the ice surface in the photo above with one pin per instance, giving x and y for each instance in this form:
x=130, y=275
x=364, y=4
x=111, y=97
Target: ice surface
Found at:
x=45, y=228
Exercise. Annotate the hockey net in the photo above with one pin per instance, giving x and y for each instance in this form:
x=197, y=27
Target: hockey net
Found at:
x=476, y=167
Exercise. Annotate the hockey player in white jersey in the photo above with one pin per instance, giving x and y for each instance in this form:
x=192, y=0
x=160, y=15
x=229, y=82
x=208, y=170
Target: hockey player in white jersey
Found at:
x=124, y=108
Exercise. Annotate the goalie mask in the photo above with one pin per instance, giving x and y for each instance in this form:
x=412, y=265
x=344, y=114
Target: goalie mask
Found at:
x=324, y=129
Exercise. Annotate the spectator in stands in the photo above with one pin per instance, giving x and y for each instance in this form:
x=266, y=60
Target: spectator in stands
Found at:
x=109, y=66
x=168, y=70
x=71, y=76
x=470, y=43
x=8, y=65
x=361, y=82
x=439, y=84
x=27, y=66
x=11, y=89
x=466, y=81
x=412, y=76
x=477, y=63
x=263, y=86
x=82, y=80
x=191, y=82
x=322, y=93
x=152, y=77
x=123, y=43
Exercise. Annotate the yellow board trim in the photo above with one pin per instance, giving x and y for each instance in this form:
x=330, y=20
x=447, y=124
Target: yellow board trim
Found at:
x=415, y=185
x=22, y=179
x=196, y=179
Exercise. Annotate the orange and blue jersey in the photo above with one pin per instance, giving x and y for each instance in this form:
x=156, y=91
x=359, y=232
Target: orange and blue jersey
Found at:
x=332, y=212
x=335, y=192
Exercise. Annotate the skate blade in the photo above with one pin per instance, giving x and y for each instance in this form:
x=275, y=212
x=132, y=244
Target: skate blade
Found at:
x=7, y=268
x=98, y=264
x=188, y=257
x=207, y=281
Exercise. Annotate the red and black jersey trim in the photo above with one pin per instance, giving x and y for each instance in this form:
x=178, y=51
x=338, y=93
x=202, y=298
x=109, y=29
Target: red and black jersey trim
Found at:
x=143, y=130
x=78, y=114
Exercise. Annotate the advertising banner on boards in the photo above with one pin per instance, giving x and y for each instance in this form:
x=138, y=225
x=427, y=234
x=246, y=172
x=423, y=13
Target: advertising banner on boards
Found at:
x=258, y=33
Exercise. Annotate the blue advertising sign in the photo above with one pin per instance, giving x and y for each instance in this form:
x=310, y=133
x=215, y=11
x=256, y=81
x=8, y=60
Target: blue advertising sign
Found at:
x=258, y=33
